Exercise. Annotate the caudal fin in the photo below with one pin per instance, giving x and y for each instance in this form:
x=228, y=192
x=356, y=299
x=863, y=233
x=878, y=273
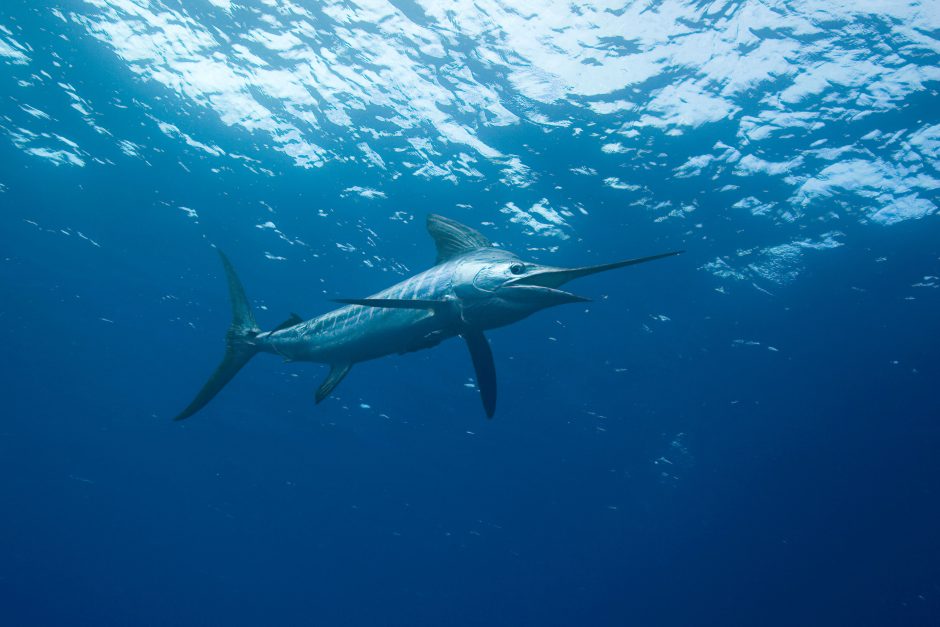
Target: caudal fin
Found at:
x=239, y=343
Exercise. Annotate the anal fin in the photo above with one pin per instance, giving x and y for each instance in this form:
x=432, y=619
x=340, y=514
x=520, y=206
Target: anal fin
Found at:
x=337, y=373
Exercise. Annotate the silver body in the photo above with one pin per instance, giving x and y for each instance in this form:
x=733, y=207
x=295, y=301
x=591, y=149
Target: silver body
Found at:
x=473, y=287
x=356, y=333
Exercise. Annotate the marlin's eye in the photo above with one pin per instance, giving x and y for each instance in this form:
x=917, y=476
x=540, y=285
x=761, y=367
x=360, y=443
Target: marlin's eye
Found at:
x=517, y=268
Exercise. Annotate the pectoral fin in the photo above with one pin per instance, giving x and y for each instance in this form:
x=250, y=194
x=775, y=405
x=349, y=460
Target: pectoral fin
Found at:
x=395, y=303
x=337, y=372
x=482, y=358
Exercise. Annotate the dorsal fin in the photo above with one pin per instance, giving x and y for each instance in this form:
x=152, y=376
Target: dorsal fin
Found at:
x=453, y=238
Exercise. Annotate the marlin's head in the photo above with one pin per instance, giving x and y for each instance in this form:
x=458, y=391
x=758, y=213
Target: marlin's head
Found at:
x=496, y=287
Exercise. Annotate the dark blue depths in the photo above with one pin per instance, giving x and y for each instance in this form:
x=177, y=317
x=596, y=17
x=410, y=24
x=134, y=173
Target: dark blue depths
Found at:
x=668, y=454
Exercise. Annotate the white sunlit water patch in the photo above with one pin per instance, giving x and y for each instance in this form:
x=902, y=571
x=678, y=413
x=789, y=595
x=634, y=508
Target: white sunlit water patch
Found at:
x=789, y=114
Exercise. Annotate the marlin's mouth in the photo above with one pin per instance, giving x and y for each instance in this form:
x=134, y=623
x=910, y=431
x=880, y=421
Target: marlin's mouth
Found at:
x=519, y=290
x=542, y=283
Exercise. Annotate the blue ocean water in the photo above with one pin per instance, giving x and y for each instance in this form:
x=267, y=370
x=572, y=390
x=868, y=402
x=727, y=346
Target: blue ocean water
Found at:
x=746, y=434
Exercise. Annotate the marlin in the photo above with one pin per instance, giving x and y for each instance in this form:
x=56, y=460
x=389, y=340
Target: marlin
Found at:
x=472, y=287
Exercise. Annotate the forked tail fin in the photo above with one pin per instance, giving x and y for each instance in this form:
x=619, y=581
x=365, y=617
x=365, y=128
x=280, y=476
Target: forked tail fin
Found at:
x=239, y=343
